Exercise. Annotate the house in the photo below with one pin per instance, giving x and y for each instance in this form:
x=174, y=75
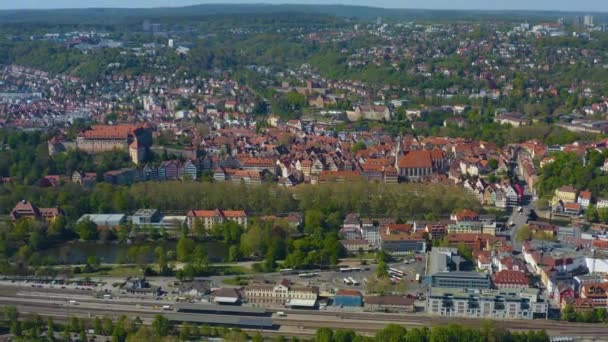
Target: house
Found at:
x=565, y=194
x=396, y=304
x=356, y=245
x=140, y=286
x=210, y=218
x=187, y=170
x=226, y=296
x=370, y=112
x=350, y=298
x=87, y=179
x=123, y=176
x=584, y=199
x=510, y=279
x=49, y=181
x=170, y=170
x=193, y=289
x=26, y=210
x=596, y=292
x=399, y=241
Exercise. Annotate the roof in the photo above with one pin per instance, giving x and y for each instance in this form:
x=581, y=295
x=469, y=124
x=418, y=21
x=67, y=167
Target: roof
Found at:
x=108, y=131
x=389, y=300
x=257, y=322
x=566, y=188
x=510, y=277
x=353, y=293
x=416, y=159
x=302, y=302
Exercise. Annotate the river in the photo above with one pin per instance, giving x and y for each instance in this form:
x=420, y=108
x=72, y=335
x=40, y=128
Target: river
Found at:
x=78, y=252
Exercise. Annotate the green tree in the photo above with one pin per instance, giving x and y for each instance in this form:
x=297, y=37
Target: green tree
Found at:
x=161, y=326
x=86, y=229
x=568, y=313
x=184, y=249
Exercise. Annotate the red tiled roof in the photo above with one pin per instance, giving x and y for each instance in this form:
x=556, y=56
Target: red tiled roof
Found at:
x=416, y=159
x=348, y=293
x=510, y=277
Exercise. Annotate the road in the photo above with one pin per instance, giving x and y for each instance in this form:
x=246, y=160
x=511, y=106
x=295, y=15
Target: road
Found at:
x=55, y=303
x=520, y=219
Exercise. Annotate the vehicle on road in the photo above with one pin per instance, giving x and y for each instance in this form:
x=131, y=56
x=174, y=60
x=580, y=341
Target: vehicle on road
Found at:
x=281, y=314
x=288, y=271
x=347, y=281
x=73, y=302
x=167, y=307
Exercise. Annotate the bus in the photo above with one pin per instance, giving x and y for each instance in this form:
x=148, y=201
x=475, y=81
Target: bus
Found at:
x=350, y=269
x=287, y=271
x=418, y=277
x=307, y=275
x=353, y=281
x=395, y=271
x=347, y=281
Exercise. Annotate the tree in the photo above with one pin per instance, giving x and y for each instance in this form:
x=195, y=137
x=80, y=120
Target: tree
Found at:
x=233, y=253
x=184, y=248
x=161, y=326
x=324, y=335
x=161, y=260
x=97, y=327
x=185, y=333
x=591, y=214
x=568, y=313
x=86, y=229
x=391, y=333
x=523, y=233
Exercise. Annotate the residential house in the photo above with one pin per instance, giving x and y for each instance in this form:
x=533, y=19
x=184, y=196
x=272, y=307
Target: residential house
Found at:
x=510, y=279
x=210, y=218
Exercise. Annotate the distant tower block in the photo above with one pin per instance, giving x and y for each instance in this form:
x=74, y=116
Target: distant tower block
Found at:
x=170, y=43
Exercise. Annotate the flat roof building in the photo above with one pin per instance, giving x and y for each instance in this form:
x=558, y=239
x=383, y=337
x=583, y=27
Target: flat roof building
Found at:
x=105, y=220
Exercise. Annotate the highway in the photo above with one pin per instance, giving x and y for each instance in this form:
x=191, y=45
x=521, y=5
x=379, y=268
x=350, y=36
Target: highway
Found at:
x=295, y=323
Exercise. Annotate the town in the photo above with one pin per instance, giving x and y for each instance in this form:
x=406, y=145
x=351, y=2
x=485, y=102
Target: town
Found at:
x=292, y=173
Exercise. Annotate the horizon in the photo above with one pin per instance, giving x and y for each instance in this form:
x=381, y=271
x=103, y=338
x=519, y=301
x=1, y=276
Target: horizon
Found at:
x=452, y=5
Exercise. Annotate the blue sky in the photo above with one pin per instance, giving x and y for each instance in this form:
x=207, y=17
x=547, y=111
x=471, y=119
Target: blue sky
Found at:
x=562, y=5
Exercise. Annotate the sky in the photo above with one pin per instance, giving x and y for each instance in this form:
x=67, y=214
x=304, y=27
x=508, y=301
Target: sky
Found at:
x=559, y=5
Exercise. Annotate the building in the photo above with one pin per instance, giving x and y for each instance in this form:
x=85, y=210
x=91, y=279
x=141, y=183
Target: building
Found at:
x=87, y=179
x=584, y=199
x=493, y=304
x=135, y=140
x=415, y=165
x=145, y=217
x=396, y=304
x=105, y=220
x=283, y=293
x=209, y=218
x=356, y=245
x=350, y=298
x=588, y=20
x=510, y=279
x=460, y=279
x=193, y=289
x=565, y=194
x=26, y=210
x=398, y=242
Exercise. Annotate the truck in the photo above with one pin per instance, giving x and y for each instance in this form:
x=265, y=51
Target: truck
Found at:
x=418, y=277
x=281, y=314
x=167, y=307
x=73, y=302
